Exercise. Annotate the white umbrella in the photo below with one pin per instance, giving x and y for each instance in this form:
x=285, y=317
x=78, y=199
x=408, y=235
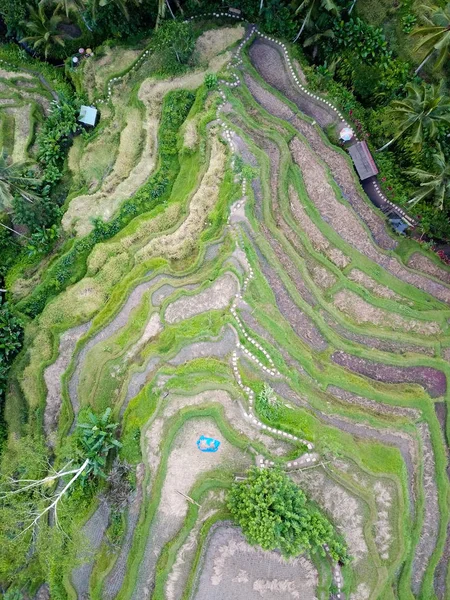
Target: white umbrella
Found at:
x=346, y=134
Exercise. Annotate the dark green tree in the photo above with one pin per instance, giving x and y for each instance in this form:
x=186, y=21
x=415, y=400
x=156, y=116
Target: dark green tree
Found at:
x=435, y=35
x=421, y=112
x=435, y=183
x=43, y=30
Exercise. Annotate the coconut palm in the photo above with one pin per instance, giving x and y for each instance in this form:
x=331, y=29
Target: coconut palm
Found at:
x=435, y=34
x=121, y=5
x=13, y=182
x=434, y=183
x=44, y=30
x=310, y=8
x=424, y=108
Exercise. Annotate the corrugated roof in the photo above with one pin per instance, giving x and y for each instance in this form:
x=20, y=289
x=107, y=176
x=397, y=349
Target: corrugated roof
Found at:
x=364, y=163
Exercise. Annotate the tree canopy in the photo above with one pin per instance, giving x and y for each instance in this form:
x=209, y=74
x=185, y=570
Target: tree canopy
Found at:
x=274, y=513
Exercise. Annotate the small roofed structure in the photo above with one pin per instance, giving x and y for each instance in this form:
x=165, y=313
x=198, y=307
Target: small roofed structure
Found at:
x=364, y=163
x=399, y=225
x=88, y=115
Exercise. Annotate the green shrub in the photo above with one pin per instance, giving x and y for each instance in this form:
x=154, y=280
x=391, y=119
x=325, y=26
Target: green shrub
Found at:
x=268, y=404
x=275, y=514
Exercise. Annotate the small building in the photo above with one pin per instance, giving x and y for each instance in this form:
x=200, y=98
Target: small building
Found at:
x=399, y=226
x=88, y=115
x=363, y=161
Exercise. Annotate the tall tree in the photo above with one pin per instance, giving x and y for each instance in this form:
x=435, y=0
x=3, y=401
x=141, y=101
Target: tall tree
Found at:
x=424, y=108
x=435, y=34
x=12, y=181
x=44, y=29
x=434, y=184
x=310, y=9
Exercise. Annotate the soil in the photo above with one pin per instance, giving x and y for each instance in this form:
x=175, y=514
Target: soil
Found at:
x=405, y=443
x=319, y=242
x=362, y=312
x=297, y=319
x=178, y=576
x=93, y=532
x=348, y=226
x=430, y=527
x=119, y=321
x=419, y=262
x=372, y=405
x=185, y=464
x=385, y=345
x=166, y=290
x=440, y=575
x=219, y=347
x=213, y=42
x=269, y=63
x=264, y=55
x=371, y=284
x=216, y=297
x=231, y=569
x=432, y=380
x=116, y=576
x=345, y=510
x=52, y=378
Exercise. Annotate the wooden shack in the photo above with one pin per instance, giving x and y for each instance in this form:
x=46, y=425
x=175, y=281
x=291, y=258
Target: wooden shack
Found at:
x=363, y=161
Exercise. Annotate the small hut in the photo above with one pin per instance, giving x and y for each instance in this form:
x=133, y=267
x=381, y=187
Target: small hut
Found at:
x=88, y=115
x=363, y=161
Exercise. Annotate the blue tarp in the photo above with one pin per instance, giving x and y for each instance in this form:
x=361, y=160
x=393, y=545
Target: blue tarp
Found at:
x=207, y=444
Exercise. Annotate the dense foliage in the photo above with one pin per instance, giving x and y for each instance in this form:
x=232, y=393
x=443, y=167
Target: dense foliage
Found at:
x=96, y=438
x=274, y=513
x=11, y=333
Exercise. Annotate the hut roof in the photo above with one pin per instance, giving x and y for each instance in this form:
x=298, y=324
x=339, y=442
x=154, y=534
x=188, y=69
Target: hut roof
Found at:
x=364, y=163
x=88, y=115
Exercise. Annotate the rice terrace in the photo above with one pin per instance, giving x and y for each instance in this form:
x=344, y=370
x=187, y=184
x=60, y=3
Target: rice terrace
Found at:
x=225, y=342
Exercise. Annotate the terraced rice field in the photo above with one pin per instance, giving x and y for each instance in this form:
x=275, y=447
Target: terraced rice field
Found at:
x=265, y=264
x=24, y=102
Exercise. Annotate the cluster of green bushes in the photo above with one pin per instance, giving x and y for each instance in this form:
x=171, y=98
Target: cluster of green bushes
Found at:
x=275, y=514
x=11, y=334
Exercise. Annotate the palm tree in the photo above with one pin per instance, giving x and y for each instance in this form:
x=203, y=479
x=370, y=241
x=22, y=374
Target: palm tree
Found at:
x=434, y=183
x=311, y=7
x=121, y=5
x=13, y=182
x=436, y=35
x=424, y=108
x=67, y=5
x=44, y=30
